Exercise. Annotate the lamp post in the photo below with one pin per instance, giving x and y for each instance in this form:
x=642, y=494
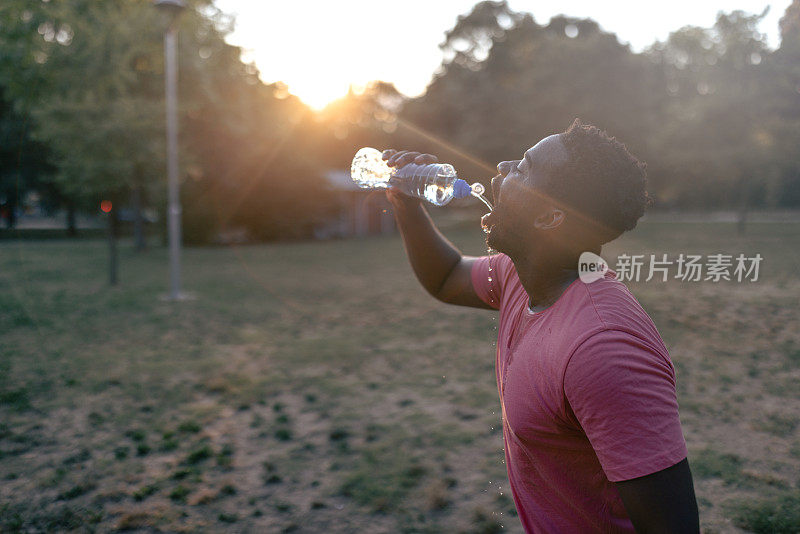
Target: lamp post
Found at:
x=173, y=9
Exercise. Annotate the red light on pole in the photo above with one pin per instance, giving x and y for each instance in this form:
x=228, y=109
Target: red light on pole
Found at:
x=105, y=206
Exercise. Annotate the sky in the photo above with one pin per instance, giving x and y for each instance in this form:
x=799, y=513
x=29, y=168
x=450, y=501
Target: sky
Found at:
x=319, y=48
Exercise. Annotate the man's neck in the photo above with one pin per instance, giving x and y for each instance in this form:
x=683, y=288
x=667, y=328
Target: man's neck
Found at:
x=544, y=284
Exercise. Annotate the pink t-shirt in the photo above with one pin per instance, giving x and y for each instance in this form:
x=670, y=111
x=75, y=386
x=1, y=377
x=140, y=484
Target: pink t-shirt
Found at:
x=587, y=391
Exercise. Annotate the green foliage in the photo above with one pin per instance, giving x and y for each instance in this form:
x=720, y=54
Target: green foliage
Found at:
x=74, y=67
x=225, y=456
x=179, y=494
x=144, y=492
x=77, y=491
x=227, y=518
x=136, y=434
x=17, y=399
x=534, y=80
x=61, y=519
x=79, y=457
x=90, y=77
x=382, y=479
x=199, y=454
x=484, y=523
x=190, y=426
x=712, y=110
x=24, y=164
x=779, y=425
x=227, y=490
x=283, y=434
x=709, y=463
x=775, y=516
x=120, y=453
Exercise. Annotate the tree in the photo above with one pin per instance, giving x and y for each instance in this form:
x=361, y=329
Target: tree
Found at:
x=716, y=145
x=468, y=43
x=75, y=71
x=90, y=74
x=23, y=161
x=786, y=107
x=704, y=109
x=533, y=81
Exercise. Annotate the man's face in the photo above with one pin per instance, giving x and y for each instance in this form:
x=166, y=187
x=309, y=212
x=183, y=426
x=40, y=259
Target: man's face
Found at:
x=517, y=191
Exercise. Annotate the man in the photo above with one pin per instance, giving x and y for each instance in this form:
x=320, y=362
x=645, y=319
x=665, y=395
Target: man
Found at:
x=593, y=441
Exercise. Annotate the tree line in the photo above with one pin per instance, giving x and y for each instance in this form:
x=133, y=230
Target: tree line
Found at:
x=714, y=111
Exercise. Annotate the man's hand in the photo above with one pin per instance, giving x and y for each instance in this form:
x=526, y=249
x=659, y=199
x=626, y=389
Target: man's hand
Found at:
x=399, y=159
x=438, y=265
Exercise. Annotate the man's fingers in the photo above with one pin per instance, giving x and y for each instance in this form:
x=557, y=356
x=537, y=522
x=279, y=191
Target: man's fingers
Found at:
x=395, y=158
x=425, y=159
x=392, y=161
x=403, y=157
x=406, y=158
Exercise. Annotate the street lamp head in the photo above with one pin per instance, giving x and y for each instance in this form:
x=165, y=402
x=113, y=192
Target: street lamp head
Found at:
x=173, y=8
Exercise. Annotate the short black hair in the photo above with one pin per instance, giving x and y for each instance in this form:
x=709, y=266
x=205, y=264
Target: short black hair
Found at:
x=602, y=181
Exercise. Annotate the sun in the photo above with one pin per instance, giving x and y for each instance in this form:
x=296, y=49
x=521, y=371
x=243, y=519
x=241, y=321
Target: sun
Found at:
x=316, y=89
x=315, y=95
x=320, y=59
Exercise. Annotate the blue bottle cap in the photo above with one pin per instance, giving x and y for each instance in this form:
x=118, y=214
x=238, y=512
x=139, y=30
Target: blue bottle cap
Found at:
x=461, y=189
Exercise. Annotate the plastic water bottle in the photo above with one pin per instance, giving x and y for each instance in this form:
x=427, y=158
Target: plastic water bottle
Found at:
x=437, y=182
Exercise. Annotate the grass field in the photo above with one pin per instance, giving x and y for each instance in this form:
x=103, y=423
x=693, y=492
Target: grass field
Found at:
x=315, y=387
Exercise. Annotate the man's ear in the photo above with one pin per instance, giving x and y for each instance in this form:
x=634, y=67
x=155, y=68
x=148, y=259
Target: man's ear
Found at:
x=550, y=219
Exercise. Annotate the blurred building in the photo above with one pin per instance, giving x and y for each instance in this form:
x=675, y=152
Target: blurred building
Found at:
x=361, y=212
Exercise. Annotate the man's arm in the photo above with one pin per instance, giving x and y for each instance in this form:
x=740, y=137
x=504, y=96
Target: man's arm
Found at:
x=622, y=393
x=662, y=502
x=439, y=266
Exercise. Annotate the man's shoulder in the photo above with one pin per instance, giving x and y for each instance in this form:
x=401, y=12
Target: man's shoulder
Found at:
x=502, y=269
x=502, y=263
x=616, y=307
x=608, y=305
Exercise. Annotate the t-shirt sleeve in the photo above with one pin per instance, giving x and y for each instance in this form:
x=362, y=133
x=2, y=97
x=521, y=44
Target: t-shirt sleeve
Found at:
x=621, y=390
x=489, y=276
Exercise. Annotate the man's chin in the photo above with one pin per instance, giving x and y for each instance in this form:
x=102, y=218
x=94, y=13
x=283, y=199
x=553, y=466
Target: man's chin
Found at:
x=492, y=241
x=490, y=226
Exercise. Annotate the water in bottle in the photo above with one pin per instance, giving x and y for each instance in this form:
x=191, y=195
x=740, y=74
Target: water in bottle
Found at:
x=436, y=182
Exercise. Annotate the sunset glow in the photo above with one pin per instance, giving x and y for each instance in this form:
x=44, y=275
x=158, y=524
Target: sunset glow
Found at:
x=320, y=49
